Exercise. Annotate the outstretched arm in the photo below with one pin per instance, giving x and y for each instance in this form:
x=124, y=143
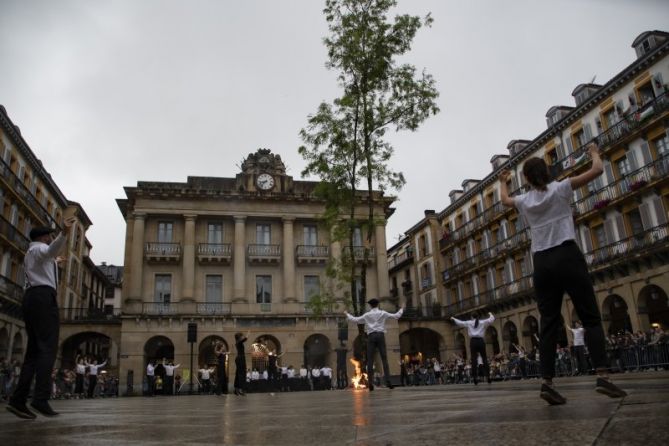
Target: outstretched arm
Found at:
x=356, y=319
x=398, y=314
x=458, y=322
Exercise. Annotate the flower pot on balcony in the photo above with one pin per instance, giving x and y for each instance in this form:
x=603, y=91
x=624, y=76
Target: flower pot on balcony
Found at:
x=638, y=184
x=601, y=204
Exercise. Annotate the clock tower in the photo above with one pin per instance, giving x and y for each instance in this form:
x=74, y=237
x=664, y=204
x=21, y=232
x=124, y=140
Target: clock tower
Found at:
x=265, y=173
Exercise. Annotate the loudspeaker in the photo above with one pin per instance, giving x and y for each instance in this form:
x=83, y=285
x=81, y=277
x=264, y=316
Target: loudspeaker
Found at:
x=343, y=331
x=192, y=332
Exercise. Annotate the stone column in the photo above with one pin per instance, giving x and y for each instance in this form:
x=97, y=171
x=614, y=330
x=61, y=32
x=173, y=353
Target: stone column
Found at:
x=137, y=257
x=187, y=294
x=381, y=261
x=239, y=258
x=288, y=254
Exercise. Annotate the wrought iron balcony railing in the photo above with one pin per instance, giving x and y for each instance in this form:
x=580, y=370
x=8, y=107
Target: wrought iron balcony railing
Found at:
x=162, y=249
x=498, y=295
x=89, y=315
x=264, y=250
x=630, y=246
x=12, y=234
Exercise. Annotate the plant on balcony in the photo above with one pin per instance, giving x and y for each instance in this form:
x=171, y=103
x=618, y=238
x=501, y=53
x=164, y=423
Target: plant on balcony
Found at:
x=601, y=204
x=638, y=184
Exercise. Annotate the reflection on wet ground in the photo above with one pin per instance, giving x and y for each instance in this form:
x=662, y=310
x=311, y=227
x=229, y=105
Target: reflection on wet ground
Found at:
x=501, y=413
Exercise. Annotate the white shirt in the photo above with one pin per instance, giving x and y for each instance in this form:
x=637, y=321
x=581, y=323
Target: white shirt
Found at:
x=579, y=338
x=291, y=373
x=475, y=332
x=549, y=214
x=265, y=375
x=150, y=370
x=327, y=371
x=169, y=369
x=40, y=264
x=93, y=368
x=255, y=375
x=437, y=367
x=316, y=372
x=303, y=372
x=81, y=369
x=205, y=373
x=375, y=319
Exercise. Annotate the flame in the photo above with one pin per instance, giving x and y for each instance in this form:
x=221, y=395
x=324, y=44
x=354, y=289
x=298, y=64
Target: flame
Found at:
x=359, y=381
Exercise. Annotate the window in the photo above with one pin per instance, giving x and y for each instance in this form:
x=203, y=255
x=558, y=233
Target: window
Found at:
x=310, y=235
x=263, y=234
x=312, y=287
x=165, y=232
x=624, y=166
x=552, y=157
x=214, y=288
x=263, y=289
x=662, y=146
x=600, y=236
x=610, y=118
x=163, y=289
x=635, y=222
x=357, y=237
x=215, y=233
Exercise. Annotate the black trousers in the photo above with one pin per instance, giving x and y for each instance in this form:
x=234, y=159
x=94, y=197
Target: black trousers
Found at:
x=476, y=346
x=377, y=341
x=558, y=270
x=40, y=314
x=168, y=385
x=581, y=363
x=92, y=382
x=240, y=373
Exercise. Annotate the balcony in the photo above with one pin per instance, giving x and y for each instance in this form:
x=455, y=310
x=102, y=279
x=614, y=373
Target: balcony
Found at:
x=213, y=308
x=161, y=309
x=162, y=252
x=400, y=260
x=306, y=254
x=517, y=241
x=644, y=177
x=616, y=133
x=218, y=253
x=359, y=253
x=506, y=293
x=16, y=185
x=634, y=247
x=486, y=217
x=407, y=288
x=268, y=254
x=13, y=235
x=421, y=313
x=11, y=298
x=90, y=316
x=426, y=283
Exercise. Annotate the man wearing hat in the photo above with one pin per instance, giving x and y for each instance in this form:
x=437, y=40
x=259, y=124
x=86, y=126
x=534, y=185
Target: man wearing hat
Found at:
x=40, y=314
x=375, y=327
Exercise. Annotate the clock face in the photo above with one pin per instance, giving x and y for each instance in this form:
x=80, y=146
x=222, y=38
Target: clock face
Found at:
x=265, y=181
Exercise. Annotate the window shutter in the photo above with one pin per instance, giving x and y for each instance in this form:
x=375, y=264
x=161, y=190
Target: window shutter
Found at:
x=619, y=110
x=645, y=216
x=660, y=213
x=495, y=195
x=587, y=240
x=587, y=132
x=632, y=100
x=608, y=170
x=470, y=248
x=456, y=256
x=490, y=277
x=579, y=193
x=657, y=84
x=514, y=182
x=620, y=225
x=631, y=156
x=608, y=232
x=645, y=154
x=510, y=273
x=461, y=291
x=486, y=238
x=570, y=148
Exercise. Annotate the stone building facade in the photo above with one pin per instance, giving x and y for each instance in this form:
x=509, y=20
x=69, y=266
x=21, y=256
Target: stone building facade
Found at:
x=242, y=254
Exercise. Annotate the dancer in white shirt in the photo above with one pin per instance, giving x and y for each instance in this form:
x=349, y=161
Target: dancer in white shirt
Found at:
x=559, y=266
x=93, y=375
x=168, y=385
x=80, y=374
x=151, y=377
x=375, y=327
x=476, y=329
x=205, y=375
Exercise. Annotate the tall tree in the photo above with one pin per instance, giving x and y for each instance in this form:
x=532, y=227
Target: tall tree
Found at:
x=344, y=141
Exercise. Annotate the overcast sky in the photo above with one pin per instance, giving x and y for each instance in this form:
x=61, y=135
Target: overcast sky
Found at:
x=108, y=93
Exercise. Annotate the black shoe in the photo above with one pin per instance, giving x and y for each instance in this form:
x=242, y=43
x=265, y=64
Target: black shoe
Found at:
x=551, y=396
x=21, y=411
x=389, y=385
x=371, y=387
x=609, y=389
x=43, y=408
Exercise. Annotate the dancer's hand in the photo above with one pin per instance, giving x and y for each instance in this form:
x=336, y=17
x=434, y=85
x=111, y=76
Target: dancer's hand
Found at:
x=505, y=175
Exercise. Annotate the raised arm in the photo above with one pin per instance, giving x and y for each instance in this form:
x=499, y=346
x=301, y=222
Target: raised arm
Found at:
x=398, y=314
x=356, y=319
x=490, y=320
x=595, y=170
x=458, y=322
x=504, y=190
x=102, y=365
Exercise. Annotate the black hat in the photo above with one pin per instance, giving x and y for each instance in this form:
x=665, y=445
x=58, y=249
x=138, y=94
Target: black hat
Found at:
x=39, y=231
x=373, y=302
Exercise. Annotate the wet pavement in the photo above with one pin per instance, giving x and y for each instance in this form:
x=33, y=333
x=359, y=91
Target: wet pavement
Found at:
x=497, y=414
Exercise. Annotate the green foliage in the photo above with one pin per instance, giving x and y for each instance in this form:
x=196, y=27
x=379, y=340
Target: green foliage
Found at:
x=344, y=141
